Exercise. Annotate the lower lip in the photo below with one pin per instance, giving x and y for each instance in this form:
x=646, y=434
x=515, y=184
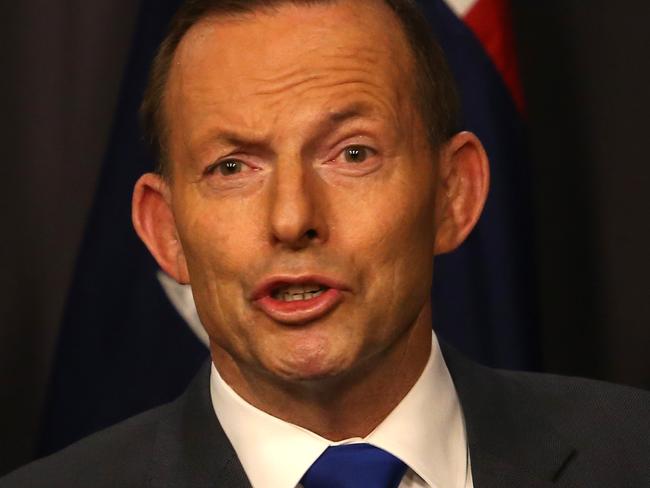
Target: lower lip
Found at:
x=300, y=311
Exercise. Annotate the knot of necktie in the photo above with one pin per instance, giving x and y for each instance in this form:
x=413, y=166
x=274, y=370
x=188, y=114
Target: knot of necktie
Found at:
x=354, y=466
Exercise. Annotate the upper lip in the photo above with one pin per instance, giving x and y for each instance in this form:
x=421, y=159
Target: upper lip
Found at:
x=267, y=285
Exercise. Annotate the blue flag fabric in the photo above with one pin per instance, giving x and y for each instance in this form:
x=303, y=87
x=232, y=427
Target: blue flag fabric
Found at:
x=124, y=348
x=483, y=292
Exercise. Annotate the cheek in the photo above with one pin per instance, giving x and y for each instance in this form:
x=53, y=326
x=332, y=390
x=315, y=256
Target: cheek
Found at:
x=391, y=236
x=217, y=236
x=218, y=251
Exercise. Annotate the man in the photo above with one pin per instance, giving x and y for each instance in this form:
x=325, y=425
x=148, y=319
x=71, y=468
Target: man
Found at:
x=310, y=170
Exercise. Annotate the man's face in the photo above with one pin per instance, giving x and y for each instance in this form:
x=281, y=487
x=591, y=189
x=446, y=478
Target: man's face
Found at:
x=300, y=165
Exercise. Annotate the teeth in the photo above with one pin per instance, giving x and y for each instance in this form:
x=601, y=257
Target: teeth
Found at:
x=298, y=289
x=298, y=292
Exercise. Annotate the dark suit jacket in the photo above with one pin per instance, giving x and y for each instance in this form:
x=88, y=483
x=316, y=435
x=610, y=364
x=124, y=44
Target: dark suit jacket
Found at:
x=524, y=430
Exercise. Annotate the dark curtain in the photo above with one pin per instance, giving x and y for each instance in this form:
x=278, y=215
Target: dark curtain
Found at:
x=586, y=72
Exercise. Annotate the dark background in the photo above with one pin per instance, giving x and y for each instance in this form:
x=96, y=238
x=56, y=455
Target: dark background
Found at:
x=586, y=72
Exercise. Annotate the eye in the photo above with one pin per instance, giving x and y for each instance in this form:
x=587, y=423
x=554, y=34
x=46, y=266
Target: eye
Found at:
x=228, y=167
x=357, y=154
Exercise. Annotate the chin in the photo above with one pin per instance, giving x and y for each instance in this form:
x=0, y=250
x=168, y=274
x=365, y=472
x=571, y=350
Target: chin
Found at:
x=306, y=372
x=300, y=364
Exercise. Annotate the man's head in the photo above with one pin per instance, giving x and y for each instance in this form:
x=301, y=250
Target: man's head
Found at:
x=432, y=83
x=302, y=169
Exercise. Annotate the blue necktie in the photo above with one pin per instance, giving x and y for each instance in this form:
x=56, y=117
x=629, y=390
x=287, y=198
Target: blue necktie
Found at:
x=354, y=466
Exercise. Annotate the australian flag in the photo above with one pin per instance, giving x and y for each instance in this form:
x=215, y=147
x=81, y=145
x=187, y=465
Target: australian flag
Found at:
x=131, y=338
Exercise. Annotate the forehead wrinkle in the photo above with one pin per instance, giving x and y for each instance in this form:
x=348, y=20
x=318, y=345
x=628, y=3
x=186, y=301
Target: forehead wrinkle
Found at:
x=288, y=86
x=314, y=85
x=357, y=88
x=319, y=87
x=306, y=74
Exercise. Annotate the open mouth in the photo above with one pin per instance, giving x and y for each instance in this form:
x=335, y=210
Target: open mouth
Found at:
x=298, y=300
x=294, y=293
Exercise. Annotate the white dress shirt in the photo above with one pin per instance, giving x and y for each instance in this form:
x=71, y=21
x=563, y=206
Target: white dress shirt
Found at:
x=426, y=430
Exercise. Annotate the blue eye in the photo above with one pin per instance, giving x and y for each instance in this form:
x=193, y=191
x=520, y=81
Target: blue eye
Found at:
x=356, y=154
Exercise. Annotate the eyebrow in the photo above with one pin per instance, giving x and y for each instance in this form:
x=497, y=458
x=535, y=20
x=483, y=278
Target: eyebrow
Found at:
x=353, y=111
x=331, y=120
x=230, y=138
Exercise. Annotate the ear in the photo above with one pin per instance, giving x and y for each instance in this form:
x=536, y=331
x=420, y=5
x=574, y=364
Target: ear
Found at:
x=154, y=222
x=464, y=175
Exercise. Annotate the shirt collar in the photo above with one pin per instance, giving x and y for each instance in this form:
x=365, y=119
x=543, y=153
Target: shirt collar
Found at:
x=425, y=430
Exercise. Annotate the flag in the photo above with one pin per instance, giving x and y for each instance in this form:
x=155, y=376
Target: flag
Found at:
x=130, y=337
x=483, y=293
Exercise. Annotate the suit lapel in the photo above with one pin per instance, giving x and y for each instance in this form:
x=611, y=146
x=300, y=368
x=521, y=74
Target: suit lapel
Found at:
x=494, y=473
x=191, y=448
x=511, y=443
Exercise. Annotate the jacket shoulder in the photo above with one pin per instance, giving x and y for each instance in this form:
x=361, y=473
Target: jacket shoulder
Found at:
x=583, y=406
x=608, y=425
x=116, y=456
x=578, y=431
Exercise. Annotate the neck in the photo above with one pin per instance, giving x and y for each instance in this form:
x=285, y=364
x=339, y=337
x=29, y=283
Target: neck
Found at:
x=352, y=404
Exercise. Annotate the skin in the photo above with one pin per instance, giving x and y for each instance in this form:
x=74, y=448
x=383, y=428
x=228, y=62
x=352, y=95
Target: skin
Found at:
x=284, y=93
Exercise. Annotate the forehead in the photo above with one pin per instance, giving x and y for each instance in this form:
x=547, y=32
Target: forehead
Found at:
x=233, y=66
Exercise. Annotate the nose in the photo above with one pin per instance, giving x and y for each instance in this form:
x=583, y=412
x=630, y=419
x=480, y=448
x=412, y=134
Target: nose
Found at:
x=298, y=206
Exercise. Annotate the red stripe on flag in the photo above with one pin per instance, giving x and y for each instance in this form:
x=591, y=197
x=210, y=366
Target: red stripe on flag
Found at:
x=491, y=22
